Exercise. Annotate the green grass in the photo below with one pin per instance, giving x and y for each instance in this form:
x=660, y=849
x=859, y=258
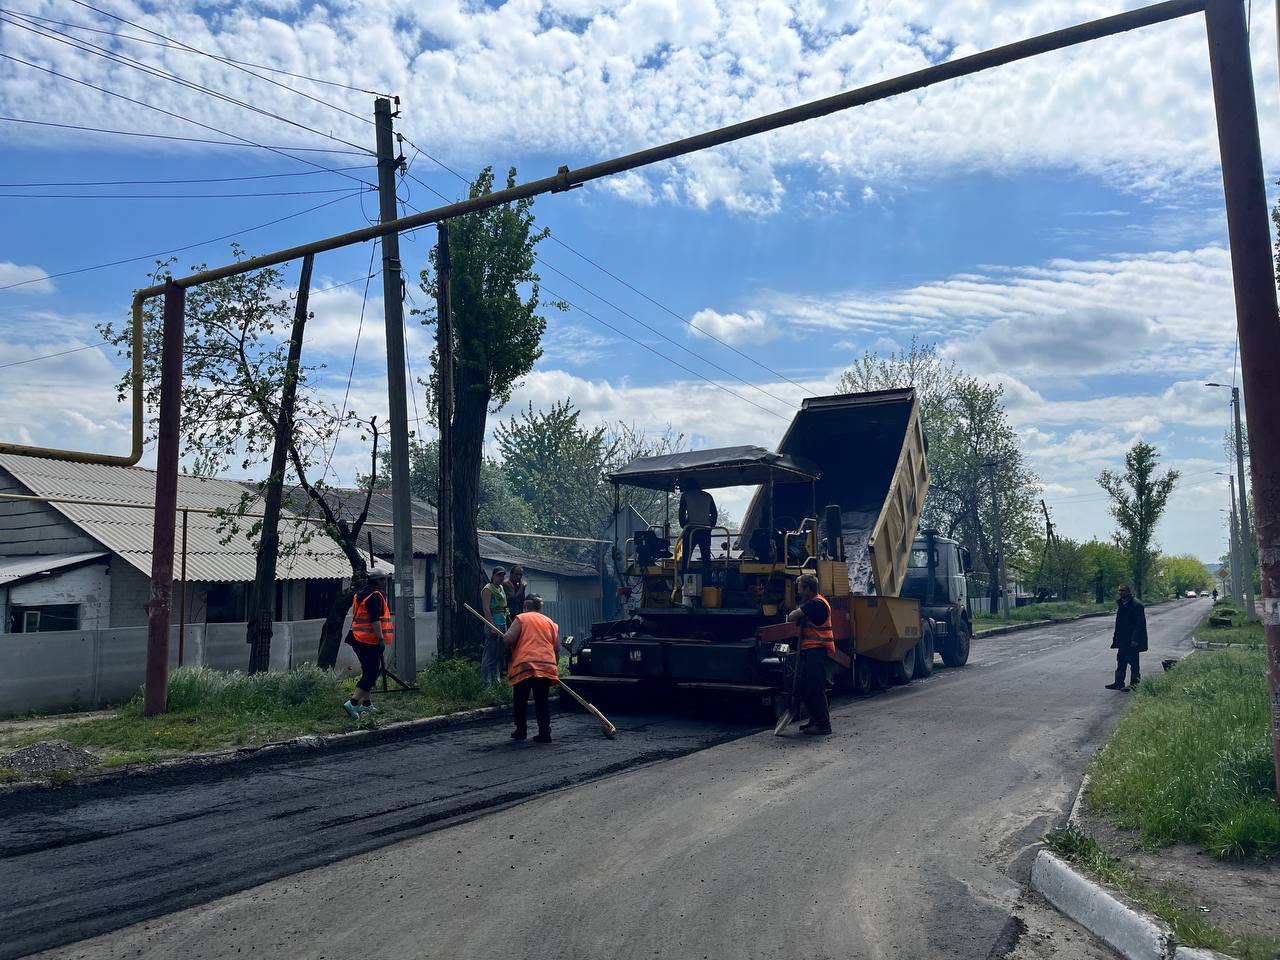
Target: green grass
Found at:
x=1189, y=926
x=1191, y=760
x=211, y=710
x=1041, y=611
x=1240, y=631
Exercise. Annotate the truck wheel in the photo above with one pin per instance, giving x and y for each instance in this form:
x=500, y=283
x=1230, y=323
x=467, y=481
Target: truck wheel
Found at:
x=861, y=672
x=924, y=653
x=955, y=652
x=901, y=672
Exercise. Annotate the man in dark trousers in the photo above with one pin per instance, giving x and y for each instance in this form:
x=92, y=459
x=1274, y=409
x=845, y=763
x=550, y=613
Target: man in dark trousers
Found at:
x=372, y=628
x=533, y=642
x=1129, y=639
x=698, y=515
x=817, y=643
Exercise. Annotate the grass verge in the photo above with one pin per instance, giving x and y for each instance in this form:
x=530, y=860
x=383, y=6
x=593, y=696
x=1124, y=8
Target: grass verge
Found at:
x=1239, y=632
x=1189, y=926
x=1191, y=760
x=211, y=710
x=1041, y=611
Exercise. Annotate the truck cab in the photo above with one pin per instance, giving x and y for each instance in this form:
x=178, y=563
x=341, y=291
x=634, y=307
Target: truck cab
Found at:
x=937, y=576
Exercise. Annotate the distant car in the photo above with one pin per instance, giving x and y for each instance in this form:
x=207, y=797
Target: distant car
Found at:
x=1191, y=594
x=1204, y=593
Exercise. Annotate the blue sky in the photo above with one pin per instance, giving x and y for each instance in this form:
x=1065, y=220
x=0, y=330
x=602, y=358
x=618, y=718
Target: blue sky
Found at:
x=1055, y=227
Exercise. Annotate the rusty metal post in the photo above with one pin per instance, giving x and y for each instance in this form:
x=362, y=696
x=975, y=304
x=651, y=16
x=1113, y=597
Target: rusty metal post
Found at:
x=446, y=615
x=166, y=502
x=1246, y=555
x=182, y=595
x=1257, y=319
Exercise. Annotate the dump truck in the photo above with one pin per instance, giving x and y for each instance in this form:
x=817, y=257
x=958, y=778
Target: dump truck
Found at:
x=841, y=498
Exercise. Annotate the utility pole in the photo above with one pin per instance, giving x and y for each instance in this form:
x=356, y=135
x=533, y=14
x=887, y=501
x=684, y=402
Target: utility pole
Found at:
x=999, y=525
x=1246, y=530
x=262, y=598
x=446, y=614
x=406, y=652
x=1234, y=567
x=1257, y=319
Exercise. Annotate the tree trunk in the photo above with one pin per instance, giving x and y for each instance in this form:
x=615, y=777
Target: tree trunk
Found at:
x=471, y=408
x=262, y=595
x=331, y=632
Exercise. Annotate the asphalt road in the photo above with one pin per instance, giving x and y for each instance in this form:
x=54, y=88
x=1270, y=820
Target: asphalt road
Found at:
x=905, y=835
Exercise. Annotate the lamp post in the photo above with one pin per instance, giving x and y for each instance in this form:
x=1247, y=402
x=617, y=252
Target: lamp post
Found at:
x=1236, y=589
x=1246, y=531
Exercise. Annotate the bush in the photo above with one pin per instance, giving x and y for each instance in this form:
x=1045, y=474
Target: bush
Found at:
x=458, y=681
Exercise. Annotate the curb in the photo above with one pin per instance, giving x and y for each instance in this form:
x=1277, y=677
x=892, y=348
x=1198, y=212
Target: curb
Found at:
x=245, y=754
x=1130, y=933
x=1030, y=624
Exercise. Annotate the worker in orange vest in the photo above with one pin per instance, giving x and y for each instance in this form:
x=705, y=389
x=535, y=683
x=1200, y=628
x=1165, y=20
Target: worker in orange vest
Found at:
x=817, y=643
x=532, y=641
x=372, y=629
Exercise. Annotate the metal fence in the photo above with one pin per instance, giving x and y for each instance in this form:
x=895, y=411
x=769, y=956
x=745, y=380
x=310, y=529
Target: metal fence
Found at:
x=574, y=617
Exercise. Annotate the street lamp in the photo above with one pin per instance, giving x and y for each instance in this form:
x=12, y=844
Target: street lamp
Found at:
x=1246, y=536
x=1237, y=589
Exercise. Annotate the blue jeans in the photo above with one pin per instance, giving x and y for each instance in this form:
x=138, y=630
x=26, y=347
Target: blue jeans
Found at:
x=491, y=658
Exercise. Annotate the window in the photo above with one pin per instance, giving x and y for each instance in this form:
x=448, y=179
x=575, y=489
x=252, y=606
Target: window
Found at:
x=919, y=559
x=319, y=597
x=44, y=618
x=226, y=602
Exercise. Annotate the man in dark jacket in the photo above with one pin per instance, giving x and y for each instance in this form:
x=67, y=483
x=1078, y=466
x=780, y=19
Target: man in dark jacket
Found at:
x=1129, y=639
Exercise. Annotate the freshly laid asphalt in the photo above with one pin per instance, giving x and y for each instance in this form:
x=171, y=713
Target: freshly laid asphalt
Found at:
x=907, y=834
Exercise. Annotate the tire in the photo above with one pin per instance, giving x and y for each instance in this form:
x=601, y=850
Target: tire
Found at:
x=879, y=674
x=900, y=673
x=955, y=652
x=862, y=676
x=924, y=653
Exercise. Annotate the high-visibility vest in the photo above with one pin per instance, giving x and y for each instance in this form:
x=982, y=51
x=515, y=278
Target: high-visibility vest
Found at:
x=362, y=623
x=535, y=651
x=814, y=635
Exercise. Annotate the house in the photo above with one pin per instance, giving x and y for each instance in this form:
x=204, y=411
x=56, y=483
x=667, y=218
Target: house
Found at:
x=73, y=566
x=571, y=591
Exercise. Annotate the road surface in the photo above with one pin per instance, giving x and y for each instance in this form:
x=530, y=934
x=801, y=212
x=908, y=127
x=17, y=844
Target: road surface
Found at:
x=907, y=834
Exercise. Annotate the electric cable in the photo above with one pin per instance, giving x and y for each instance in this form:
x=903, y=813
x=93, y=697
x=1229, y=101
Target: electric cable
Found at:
x=189, y=246
x=50, y=356
x=170, y=196
x=134, y=183
x=337, y=433
x=275, y=148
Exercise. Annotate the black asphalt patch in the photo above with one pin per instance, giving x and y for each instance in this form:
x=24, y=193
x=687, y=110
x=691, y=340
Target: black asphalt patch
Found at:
x=81, y=860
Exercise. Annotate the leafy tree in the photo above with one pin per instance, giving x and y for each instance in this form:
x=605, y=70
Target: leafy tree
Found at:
x=235, y=356
x=1106, y=566
x=627, y=442
x=1062, y=569
x=497, y=331
x=1138, y=499
x=1184, y=572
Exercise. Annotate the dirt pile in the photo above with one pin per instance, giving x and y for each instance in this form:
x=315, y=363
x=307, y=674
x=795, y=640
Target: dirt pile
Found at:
x=48, y=756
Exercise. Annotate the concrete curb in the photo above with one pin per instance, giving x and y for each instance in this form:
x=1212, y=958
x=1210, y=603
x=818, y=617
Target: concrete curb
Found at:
x=1031, y=624
x=1130, y=933
x=1198, y=953
x=1213, y=645
x=264, y=751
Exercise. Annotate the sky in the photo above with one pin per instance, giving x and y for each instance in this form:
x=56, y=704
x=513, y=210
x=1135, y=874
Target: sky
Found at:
x=1055, y=226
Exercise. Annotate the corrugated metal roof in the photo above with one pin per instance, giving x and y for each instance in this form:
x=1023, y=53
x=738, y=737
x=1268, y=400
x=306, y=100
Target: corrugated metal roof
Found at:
x=128, y=531
x=13, y=569
x=425, y=542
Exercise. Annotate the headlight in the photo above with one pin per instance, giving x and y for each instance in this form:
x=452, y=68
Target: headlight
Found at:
x=782, y=648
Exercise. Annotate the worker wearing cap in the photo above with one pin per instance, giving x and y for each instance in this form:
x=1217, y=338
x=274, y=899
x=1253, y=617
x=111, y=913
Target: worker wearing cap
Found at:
x=817, y=643
x=372, y=629
x=532, y=640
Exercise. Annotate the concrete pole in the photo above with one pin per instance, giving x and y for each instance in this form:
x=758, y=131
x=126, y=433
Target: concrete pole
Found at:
x=405, y=647
x=1237, y=592
x=1257, y=319
x=1246, y=530
x=156, y=692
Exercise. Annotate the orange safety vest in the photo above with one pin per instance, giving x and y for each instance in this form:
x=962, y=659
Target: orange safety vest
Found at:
x=535, y=651
x=814, y=635
x=362, y=623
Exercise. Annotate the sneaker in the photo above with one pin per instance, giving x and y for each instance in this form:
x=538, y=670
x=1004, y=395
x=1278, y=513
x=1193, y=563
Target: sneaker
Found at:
x=352, y=710
x=1134, y=682
x=815, y=731
x=542, y=738
x=1115, y=686
x=519, y=735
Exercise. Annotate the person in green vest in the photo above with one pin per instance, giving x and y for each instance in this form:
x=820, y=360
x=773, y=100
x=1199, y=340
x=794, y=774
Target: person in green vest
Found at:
x=493, y=601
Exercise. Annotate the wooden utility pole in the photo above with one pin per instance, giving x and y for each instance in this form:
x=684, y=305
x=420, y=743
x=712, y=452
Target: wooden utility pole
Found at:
x=262, y=596
x=405, y=647
x=445, y=612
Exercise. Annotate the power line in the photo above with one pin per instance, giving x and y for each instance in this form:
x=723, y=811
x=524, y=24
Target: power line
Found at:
x=134, y=183
x=189, y=246
x=167, y=113
x=641, y=343
x=275, y=148
x=127, y=61
x=50, y=356
x=167, y=196
x=230, y=60
x=364, y=302
x=204, y=53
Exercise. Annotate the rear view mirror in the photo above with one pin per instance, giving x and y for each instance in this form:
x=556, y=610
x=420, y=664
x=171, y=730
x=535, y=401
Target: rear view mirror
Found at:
x=966, y=561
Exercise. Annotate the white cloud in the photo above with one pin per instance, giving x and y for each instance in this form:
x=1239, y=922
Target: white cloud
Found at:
x=32, y=279
x=748, y=327
x=590, y=79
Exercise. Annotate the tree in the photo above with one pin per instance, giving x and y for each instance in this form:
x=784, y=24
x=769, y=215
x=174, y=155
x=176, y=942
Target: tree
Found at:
x=1138, y=499
x=966, y=428
x=235, y=360
x=497, y=335
x=1062, y=570
x=627, y=442
x=1106, y=566
x=1184, y=572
